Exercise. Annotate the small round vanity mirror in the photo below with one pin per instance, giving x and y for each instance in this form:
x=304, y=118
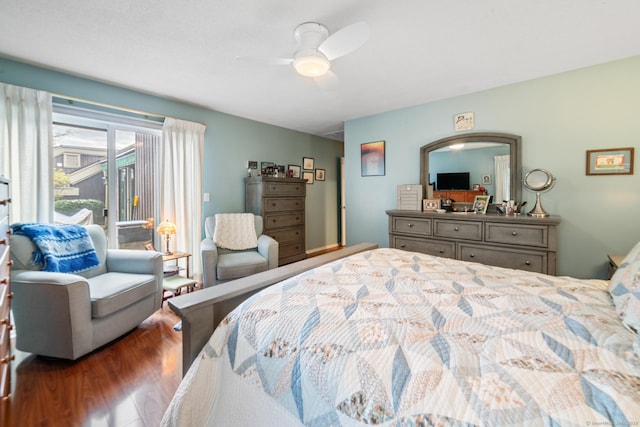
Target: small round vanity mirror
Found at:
x=538, y=180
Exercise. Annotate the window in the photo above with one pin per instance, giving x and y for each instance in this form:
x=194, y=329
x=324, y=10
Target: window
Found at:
x=71, y=160
x=105, y=172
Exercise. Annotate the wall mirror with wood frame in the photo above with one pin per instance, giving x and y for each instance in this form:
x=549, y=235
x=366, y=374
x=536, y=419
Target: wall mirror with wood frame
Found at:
x=490, y=159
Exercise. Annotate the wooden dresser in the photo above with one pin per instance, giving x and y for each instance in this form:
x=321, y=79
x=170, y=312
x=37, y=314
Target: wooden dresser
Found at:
x=519, y=242
x=460, y=196
x=5, y=303
x=281, y=203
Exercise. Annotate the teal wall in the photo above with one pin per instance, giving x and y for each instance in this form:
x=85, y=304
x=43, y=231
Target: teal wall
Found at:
x=229, y=142
x=559, y=117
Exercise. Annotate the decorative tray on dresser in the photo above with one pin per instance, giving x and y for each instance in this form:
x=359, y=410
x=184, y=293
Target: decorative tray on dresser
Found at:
x=281, y=203
x=519, y=241
x=5, y=303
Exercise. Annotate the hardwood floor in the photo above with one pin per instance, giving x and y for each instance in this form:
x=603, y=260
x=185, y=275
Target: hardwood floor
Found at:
x=128, y=383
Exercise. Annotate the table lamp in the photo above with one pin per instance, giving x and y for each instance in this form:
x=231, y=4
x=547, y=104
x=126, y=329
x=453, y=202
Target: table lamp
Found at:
x=167, y=228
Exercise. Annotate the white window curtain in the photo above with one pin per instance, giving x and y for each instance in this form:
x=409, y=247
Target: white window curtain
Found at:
x=181, y=187
x=26, y=152
x=503, y=181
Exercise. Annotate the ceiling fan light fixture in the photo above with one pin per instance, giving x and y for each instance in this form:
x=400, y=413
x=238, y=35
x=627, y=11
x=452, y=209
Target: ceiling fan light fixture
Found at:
x=311, y=64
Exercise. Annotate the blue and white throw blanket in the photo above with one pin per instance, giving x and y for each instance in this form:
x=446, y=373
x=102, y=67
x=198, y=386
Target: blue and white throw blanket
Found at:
x=60, y=248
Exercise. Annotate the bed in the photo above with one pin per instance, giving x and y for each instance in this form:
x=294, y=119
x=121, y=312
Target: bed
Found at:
x=395, y=338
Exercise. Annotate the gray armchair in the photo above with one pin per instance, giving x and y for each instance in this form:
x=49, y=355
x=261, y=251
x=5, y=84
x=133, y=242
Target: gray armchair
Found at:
x=69, y=315
x=219, y=264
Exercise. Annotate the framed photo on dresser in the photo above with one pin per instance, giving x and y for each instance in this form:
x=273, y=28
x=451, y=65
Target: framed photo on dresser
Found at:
x=481, y=203
x=295, y=170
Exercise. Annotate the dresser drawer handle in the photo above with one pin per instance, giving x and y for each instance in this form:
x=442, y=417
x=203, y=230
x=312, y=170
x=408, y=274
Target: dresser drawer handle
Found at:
x=513, y=233
x=5, y=201
x=456, y=229
x=402, y=246
x=441, y=251
x=4, y=321
x=472, y=255
x=4, y=281
x=273, y=204
x=527, y=263
x=410, y=225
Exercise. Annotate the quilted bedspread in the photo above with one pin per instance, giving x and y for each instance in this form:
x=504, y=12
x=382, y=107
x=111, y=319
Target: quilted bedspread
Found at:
x=397, y=338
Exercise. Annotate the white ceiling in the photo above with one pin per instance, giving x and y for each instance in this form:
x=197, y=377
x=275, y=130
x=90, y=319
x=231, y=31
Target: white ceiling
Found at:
x=418, y=51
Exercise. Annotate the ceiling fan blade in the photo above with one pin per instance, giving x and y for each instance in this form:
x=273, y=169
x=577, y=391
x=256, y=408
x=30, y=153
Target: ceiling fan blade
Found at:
x=345, y=40
x=265, y=60
x=328, y=81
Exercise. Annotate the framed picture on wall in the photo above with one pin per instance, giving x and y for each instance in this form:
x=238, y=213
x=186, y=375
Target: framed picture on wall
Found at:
x=308, y=175
x=612, y=161
x=372, y=158
x=320, y=174
x=308, y=163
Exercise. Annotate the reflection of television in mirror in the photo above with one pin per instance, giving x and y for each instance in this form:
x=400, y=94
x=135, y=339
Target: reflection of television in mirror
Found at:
x=453, y=181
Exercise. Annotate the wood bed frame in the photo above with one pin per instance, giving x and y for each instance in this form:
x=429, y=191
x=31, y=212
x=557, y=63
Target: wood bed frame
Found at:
x=203, y=310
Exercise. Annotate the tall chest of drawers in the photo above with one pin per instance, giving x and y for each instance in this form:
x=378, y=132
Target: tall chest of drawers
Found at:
x=520, y=242
x=5, y=303
x=281, y=203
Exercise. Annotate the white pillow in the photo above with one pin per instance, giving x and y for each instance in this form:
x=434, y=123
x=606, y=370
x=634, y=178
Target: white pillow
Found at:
x=624, y=287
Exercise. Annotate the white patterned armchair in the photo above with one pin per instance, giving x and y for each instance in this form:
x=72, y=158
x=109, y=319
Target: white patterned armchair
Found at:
x=223, y=264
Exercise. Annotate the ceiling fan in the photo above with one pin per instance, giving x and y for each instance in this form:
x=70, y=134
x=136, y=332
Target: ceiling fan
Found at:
x=316, y=48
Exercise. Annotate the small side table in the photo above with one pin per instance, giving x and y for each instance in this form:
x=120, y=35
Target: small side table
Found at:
x=614, y=263
x=175, y=256
x=173, y=285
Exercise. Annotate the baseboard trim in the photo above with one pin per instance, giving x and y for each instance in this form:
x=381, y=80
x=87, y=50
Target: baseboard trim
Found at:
x=323, y=249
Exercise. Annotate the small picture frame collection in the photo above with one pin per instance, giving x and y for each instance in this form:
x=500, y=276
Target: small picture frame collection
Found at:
x=308, y=164
x=307, y=171
x=480, y=204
